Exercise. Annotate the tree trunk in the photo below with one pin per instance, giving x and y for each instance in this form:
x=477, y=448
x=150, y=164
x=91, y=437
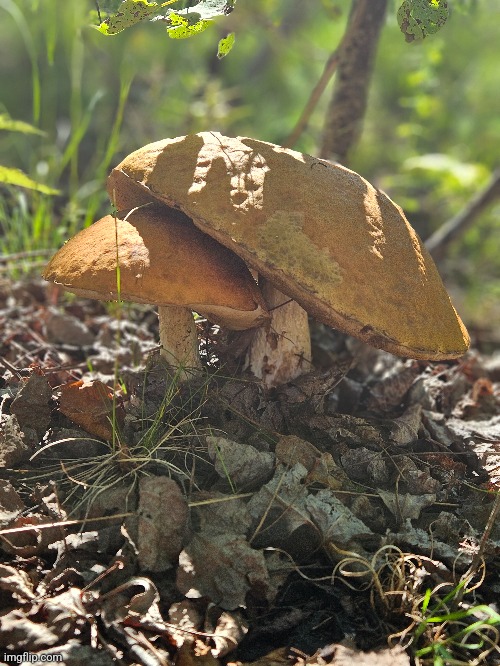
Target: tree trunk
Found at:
x=347, y=107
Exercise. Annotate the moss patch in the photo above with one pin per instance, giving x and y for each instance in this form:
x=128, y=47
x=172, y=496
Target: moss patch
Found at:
x=284, y=243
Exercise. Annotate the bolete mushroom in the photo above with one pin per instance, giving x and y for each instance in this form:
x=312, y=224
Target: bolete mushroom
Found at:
x=166, y=261
x=316, y=231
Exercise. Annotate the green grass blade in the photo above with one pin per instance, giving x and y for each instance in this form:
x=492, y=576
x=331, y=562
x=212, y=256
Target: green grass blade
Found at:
x=11, y=8
x=11, y=176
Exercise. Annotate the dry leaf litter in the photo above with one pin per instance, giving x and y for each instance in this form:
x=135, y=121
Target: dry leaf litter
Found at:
x=147, y=522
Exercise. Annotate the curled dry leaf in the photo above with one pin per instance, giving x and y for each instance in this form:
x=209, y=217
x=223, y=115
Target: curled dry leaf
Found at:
x=279, y=514
x=90, y=405
x=434, y=426
x=216, y=513
x=134, y=603
x=65, y=615
x=335, y=521
x=279, y=657
x=222, y=631
x=352, y=430
x=158, y=541
x=390, y=391
x=197, y=654
x=404, y=430
x=438, y=391
x=422, y=541
x=481, y=402
x=187, y=616
x=227, y=632
x=241, y=464
x=362, y=464
x=341, y=655
x=143, y=602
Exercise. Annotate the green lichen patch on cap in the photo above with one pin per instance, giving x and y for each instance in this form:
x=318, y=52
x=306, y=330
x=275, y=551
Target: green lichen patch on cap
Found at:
x=284, y=244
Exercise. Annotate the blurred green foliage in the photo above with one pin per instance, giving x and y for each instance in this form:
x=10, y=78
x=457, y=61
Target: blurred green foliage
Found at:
x=431, y=134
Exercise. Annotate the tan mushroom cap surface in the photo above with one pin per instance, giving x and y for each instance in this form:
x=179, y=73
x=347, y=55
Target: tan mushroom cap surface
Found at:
x=320, y=232
x=164, y=260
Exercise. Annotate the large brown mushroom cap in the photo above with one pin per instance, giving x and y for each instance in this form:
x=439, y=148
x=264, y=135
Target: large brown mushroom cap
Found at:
x=164, y=260
x=319, y=232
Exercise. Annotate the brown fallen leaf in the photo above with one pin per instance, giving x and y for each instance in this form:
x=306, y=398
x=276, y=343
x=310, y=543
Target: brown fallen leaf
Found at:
x=223, y=568
x=389, y=392
x=186, y=615
x=279, y=514
x=404, y=506
x=89, y=404
x=65, y=615
x=291, y=449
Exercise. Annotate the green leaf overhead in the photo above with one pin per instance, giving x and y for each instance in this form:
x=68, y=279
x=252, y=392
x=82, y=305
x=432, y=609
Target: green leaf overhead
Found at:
x=209, y=9
x=181, y=23
x=419, y=18
x=130, y=12
x=192, y=20
x=225, y=45
x=181, y=28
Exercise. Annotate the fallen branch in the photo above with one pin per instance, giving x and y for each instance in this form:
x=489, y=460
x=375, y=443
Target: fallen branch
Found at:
x=450, y=231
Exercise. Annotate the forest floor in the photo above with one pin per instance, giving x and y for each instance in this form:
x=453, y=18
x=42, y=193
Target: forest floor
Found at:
x=345, y=518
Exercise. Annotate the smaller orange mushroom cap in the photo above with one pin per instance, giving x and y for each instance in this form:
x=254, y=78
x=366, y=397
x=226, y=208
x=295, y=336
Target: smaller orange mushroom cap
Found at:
x=164, y=260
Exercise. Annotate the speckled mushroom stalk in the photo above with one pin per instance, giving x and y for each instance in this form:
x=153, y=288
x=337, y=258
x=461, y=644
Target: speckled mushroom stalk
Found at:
x=165, y=261
x=179, y=340
x=318, y=232
x=280, y=351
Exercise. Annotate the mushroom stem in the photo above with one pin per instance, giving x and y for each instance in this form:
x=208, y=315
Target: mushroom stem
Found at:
x=179, y=340
x=280, y=351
